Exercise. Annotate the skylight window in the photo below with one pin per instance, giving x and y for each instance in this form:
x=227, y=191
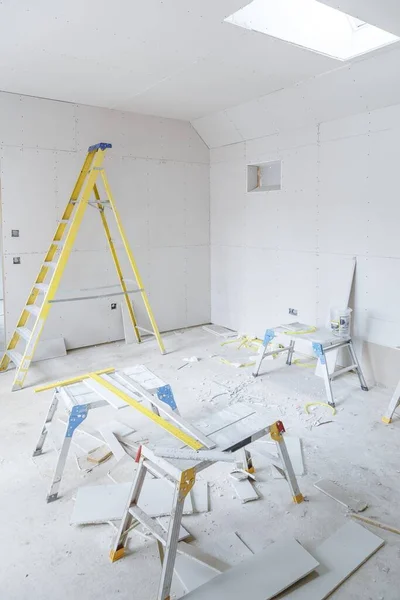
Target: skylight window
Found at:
x=312, y=25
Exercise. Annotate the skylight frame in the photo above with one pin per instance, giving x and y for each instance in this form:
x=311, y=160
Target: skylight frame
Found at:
x=338, y=35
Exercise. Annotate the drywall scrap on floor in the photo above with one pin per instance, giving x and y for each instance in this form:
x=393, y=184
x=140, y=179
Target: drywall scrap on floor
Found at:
x=339, y=556
x=102, y=503
x=244, y=490
x=265, y=574
x=228, y=548
x=336, y=492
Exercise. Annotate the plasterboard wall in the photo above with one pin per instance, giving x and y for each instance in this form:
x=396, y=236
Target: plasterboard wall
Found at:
x=279, y=249
x=159, y=173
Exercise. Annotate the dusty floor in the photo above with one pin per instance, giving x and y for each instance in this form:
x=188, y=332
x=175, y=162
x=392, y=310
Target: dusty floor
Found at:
x=43, y=557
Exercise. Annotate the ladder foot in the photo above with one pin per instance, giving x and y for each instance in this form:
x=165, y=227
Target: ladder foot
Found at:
x=386, y=420
x=117, y=554
x=364, y=388
x=38, y=452
x=298, y=499
x=51, y=498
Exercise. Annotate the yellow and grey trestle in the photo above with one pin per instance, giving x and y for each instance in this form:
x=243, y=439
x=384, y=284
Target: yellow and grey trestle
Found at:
x=183, y=480
x=21, y=347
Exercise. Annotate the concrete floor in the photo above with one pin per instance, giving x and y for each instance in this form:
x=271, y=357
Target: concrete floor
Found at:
x=43, y=557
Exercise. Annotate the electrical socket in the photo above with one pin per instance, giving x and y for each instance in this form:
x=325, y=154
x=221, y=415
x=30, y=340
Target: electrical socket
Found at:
x=113, y=305
x=293, y=311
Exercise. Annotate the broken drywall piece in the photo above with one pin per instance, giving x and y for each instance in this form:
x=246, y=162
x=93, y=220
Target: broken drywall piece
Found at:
x=337, y=493
x=339, y=556
x=244, y=490
x=102, y=503
x=191, y=359
x=118, y=428
x=260, y=576
x=220, y=331
x=199, y=496
x=113, y=443
x=192, y=574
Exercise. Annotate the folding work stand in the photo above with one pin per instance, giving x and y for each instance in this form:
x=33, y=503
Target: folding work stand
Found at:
x=323, y=342
x=114, y=388
x=183, y=474
x=393, y=404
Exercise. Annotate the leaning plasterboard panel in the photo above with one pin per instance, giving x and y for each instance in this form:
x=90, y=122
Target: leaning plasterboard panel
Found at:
x=343, y=218
x=377, y=312
x=228, y=296
x=335, y=279
x=198, y=285
x=29, y=185
x=36, y=123
x=262, y=310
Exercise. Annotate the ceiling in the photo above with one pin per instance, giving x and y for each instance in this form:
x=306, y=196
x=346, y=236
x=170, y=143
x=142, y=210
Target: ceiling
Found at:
x=172, y=58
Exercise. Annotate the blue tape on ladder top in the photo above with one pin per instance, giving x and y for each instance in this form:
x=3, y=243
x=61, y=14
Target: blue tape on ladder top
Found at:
x=166, y=395
x=100, y=146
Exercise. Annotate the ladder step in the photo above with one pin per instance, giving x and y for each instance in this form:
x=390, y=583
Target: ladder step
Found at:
x=51, y=264
x=24, y=332
x=43, y=287
x=149, y=523
x=15, y=357
x=33, y=309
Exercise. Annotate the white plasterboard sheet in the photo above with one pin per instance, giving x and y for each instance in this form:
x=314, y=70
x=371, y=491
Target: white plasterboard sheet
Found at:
x=144, y=377
x=156, y=498
x=339, y=494
x=199, y=494
x=343, y=202
x=102, y=503
x=112, y=442
x=192, y=574
x=170, y=274
x=22, y=176
x=229, y=548
x=37, y=123
x=339, y=556
x=244, y=490
x=51, y=348
x=263, y=571
x=197, y=204
x=104, y=393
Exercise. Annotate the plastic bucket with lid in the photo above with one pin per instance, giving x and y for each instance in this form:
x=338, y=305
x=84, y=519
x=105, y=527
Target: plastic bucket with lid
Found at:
x=341, y=321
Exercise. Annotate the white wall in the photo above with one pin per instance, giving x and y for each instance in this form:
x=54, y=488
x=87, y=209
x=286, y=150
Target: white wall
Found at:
x=280, y=249
x=159, y=173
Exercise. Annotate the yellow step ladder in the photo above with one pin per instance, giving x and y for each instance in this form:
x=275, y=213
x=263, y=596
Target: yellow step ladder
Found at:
x=22, y=345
